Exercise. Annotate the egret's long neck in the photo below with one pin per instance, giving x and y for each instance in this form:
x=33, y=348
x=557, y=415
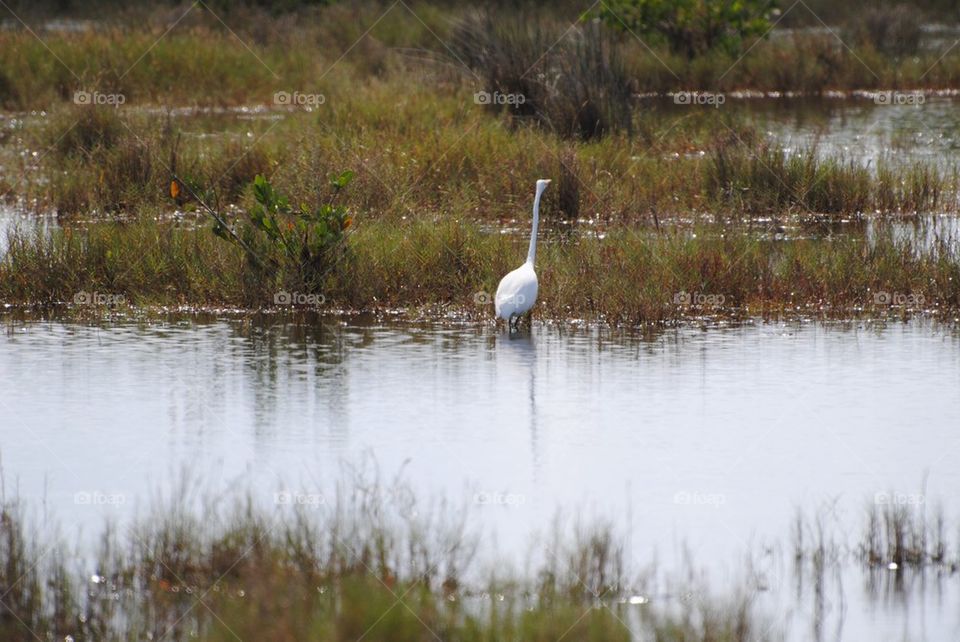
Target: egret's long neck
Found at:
x=532, y=252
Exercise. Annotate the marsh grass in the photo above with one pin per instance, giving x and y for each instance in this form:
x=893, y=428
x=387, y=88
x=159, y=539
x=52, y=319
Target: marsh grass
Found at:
x=236, y=54
x=431, y=152
x=111, y=163
x=365, y=557
x=903, y=549
x=756, y=177
x=366, y=560
x=190, y=56
x=571, y=80
x=415, y=136
x=890, y=27
x=446, y=156
x=632, y=276
x=900, y=535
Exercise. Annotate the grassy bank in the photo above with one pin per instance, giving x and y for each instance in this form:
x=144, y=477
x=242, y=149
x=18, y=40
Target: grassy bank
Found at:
x=630, y=276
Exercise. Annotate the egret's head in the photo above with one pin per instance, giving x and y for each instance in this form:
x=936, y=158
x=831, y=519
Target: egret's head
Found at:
x=542, y=185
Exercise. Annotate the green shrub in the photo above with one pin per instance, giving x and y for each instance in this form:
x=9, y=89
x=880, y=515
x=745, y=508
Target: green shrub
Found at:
x=691, y=27
x=279, y=238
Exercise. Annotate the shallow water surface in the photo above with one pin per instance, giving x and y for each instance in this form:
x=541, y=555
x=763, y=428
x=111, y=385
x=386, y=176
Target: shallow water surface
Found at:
x=905, y=129
x=14, y=221
x=861, y=130
x=706, y=440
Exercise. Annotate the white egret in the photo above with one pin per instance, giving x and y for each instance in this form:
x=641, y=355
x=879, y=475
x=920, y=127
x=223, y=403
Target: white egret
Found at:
x=517, y=291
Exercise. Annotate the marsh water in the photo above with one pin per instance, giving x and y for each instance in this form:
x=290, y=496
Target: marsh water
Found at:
x=863, y=131
x=699, y=441
x=905, y=128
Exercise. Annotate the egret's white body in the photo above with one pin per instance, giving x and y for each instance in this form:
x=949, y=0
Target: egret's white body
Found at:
x=517, y=291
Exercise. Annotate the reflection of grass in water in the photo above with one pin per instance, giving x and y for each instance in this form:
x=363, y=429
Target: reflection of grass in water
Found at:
x=365, y=561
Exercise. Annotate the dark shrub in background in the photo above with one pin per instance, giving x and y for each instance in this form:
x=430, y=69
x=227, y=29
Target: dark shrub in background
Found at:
x=568, y=78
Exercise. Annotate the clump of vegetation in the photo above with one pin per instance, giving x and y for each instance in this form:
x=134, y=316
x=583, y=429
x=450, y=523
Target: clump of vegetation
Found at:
x=900, y=534
x=568, y=187
x=759, y=177
x=31, y=606
x=571, y=80
x=692, y=27
x=107, y=161
x=84, y=131
x=763, y=178
x=894, y=29
x=282, y=240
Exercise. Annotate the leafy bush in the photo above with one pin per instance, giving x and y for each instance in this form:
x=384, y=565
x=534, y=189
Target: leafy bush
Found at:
x=301, y=243
x=691, y=27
